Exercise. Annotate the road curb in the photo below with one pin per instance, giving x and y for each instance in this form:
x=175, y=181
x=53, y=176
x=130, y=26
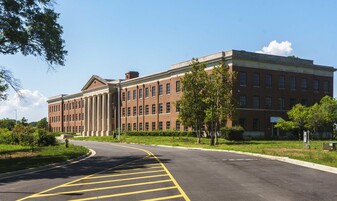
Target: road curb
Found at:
x=315, y=166
x=7, y=175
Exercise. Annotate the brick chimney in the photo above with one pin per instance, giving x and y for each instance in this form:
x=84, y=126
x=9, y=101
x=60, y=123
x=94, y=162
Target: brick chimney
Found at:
x=131, y=75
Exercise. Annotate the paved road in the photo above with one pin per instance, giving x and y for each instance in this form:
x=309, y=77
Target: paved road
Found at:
x=131, y=172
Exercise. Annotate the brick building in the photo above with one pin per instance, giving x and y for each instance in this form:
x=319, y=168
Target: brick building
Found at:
x=267, y=87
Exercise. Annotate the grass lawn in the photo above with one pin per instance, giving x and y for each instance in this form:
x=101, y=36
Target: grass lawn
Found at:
x=17, y=157
x=291, y=149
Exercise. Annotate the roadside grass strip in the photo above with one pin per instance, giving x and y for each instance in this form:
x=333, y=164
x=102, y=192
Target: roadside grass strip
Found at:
x=144, y=179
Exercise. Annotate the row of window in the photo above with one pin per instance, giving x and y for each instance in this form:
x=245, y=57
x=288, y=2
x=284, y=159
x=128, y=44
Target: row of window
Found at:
x=73, y=105
x=268, y=102
x=54, y=108
x=73, y=129
x=153, y=126
x=54, y=119
x=147, y=109
x=153, y=91
x=73, y=117
x=316, y=85
x=255, y=124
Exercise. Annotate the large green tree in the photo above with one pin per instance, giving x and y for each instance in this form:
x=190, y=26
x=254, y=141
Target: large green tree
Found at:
x=42, y=124
x=29, y=27
x=192, y=103
x=220, y=104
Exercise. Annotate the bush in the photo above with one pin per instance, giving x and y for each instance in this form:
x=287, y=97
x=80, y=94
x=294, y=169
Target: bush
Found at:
x=45, y=138
x=234, y=133
x=162, y=133
x=5, y=136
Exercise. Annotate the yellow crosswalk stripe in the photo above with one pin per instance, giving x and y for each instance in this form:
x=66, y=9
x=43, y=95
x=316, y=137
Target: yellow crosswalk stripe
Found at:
x=102, y=188
x=125, y=174
x=124, y=194
x=116, y=180
x=164, y=198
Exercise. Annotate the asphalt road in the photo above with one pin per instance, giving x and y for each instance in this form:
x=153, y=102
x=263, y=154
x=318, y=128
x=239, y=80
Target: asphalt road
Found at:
x=137, y=172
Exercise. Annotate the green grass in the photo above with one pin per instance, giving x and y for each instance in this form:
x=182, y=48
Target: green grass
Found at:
x=16, y=157
x=291, y=149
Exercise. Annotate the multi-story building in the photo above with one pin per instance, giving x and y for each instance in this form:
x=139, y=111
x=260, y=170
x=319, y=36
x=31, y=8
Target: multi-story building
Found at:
x=267, y=87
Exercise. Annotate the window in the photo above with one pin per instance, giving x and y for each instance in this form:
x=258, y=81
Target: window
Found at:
x=242, y=122
x=281, y=82
x=242, y=101
x=160, y=90
x=153, y=108
x=134, y=94
x=268, y=81
x=129, y=126
x=177, y=125
x=160, y=126
x=281, y=103
x=146, y=109
x=129, y=111
x=292, y=83
x=267, y=102
x=304, y=84
x=178, y=106
x=128, y=95
x=140, y=93
x=304, y=101
x=168, y=88
x=134, y=127
x=315, y=85
x=140, y=126
x=140, y=110
x=291, y=102
x=168, y=107
x=160, y=108
x=256, y=80
x=255, y=124
x=326, y=86
x=134, y=111
x=177, y=86
x=153, y=125
x=243, y=78
x=153, y=91
x=168, y=125
x=146, y=126
x=256, y=102
x=146, y=92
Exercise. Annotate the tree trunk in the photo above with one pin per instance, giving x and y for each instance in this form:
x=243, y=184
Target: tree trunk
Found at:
x=198, y=137
x=212, y=139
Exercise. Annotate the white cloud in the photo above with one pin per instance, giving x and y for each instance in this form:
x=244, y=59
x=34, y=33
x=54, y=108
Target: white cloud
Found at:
x=31, y=105
x=282, y=49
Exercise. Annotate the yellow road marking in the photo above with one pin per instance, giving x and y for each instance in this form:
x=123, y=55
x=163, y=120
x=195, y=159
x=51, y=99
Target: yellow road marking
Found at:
x=128, y=170
x=50, y=189
x=168, y=172
x=126, y=174
x=123, y=194
x=116, y=180
x=164, y=198
x=102, y=188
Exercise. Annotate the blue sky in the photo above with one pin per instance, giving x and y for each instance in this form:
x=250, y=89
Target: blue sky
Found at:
x=109, y=38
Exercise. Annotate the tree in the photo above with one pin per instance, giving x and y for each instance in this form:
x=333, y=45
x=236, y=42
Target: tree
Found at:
x=24, y=121
x=42, y=124
x=29, y=27
x=192, y=103
x=219, y=98
x=298, y=120
x=7, y=123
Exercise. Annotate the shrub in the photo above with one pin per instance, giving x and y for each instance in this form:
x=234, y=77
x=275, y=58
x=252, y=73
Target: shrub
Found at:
x=234, y=133
x=5, y=136
x=162, y=133
x=45, y=138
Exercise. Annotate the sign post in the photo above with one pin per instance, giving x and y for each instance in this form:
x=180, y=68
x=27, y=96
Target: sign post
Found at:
x=306, y=139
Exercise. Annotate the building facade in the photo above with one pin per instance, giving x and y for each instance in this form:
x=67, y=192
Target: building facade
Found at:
x=267, y=87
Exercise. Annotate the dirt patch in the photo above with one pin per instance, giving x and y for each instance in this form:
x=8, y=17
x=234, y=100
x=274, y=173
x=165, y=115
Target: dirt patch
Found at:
x=18, y=155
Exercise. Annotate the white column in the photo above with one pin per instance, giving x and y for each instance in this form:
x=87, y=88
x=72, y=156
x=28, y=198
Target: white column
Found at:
x=109, y=114
x=94, y=116
x=99, y=113
x=89, y=116
x=104, y=114
x=85, y=127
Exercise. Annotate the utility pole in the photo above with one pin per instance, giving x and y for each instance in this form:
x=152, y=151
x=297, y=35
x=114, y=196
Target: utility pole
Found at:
x=119, y=110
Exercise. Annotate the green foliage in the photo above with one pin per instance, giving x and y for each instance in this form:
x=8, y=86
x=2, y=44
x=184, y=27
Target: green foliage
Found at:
x=162, y=133
x=31, y=28
x=7, y=123
x=42, y=124
x=234, y=133
x=5, y=136
x=45, y=138
x=192, y=102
